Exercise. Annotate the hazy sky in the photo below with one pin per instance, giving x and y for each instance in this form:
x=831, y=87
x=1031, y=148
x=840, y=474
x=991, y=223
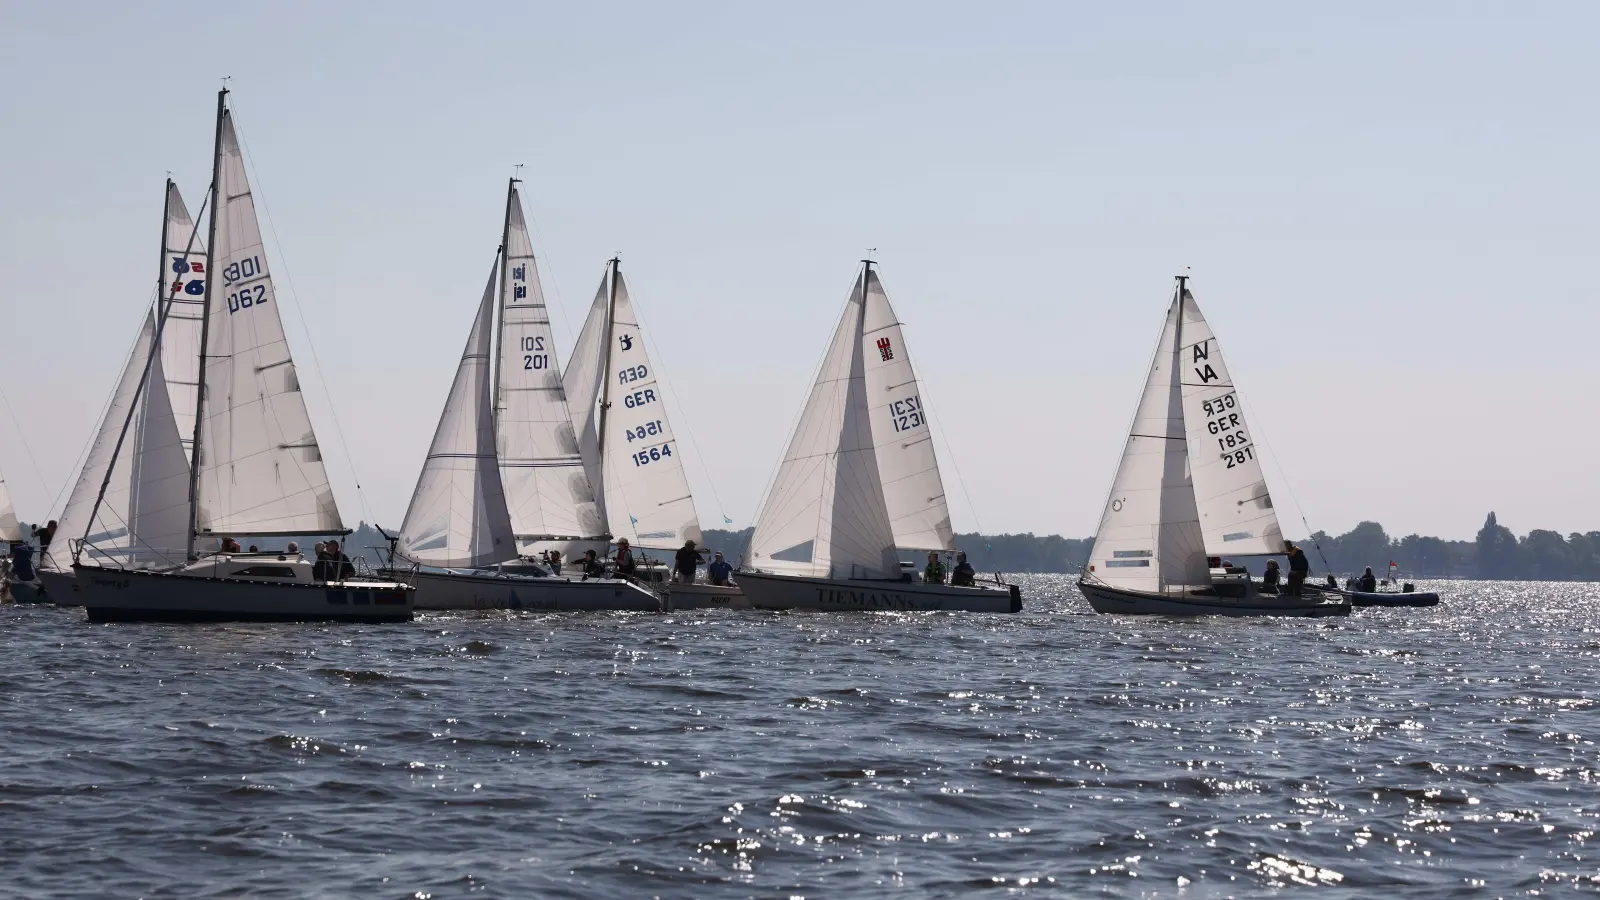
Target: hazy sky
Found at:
x=1389, y=211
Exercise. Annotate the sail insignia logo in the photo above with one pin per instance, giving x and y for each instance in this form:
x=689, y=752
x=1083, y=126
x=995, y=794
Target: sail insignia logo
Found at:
x=627, y=342
x=885, y=349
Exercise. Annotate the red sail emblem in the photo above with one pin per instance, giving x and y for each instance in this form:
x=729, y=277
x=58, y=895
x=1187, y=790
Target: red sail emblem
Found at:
x=886, y=349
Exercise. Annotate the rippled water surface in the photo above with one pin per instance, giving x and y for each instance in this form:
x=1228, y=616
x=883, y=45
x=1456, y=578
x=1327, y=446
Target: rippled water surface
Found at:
x=1421, y=753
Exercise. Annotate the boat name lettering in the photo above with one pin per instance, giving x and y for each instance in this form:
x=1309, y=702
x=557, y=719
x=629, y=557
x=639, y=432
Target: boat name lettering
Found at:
x=865, y=599
x=519, y=274
x=906, y=414
x=639, y=398
x=646, y=457
x=244, y=268
x=632, y=374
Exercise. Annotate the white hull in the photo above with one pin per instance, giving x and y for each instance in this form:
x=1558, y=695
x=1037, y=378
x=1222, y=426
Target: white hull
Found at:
x=61, y=588
x=767, y=591
x=114, y=595
x=1115, y=601
x=705, y=596
x=437, y=590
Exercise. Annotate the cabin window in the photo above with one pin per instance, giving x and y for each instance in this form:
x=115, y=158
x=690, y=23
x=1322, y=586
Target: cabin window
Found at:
x=267, y=571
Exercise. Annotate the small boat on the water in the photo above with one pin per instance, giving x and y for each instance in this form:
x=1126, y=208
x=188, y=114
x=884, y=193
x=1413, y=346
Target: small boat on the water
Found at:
x=859, y=476
x=503, y=481
x=1189, y=479
x=257, y=467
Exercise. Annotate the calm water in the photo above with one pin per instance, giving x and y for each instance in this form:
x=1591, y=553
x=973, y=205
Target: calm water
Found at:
x=1422, y=753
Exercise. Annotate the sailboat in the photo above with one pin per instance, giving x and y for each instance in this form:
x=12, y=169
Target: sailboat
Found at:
x=143, y=513
x=12, y=582
x=1190, y=479
x=503, y=477
x=632, y=460
x=257, y=470
x=860, y=462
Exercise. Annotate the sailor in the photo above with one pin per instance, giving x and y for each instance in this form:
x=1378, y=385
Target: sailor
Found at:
x=964, y=575
x=933, y=572
x=319, y=569
x=22, y=561
x=624, y=560
x=229, y=545
x=1269, y=578
x=1368, y=582
x=592, y=567
x=684, y=562
x=718, y=572
x=555, y=562
x=339, y=567
x=1299, y=567
x=45, y=536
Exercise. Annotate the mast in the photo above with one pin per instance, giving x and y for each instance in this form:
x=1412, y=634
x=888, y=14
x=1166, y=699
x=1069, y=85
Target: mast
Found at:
x=605, y=364
x=205, y=327
x=497, y=349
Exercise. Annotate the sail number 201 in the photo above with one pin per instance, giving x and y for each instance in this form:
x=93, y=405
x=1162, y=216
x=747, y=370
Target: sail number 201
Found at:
x=532, y=355
x=906, y=414
x=248, y=295
x=1226, y=425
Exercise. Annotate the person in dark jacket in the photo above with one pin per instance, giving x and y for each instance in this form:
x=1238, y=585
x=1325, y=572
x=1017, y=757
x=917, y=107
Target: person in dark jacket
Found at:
x=592, y=566
x=963, y=575
x=719, y=572
x=685, y=562
x=1368, y=582
x=1269, y=578
x=1299, y=568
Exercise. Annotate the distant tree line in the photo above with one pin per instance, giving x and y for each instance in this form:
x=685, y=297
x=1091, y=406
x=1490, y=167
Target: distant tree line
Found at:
x=1496, y=554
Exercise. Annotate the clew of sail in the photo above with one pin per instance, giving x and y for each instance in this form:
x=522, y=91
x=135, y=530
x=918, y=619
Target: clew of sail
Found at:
x=647, y=494
x=546, y=488
x=260, y=469
x=185, y=262
x=457, y=515
x=1236, y=514
x=824, y=515
x=912, y=488
x=1149, y=536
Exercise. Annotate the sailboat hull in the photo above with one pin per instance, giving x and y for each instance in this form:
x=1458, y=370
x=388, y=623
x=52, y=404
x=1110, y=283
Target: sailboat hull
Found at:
x=459, y=590
x=1115, y=601
x=768, y=591
x=705, y=596
x=113, y=595
x=61, y=588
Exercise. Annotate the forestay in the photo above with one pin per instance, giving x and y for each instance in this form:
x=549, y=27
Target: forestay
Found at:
x=1236, y=514
x=457, y=515
x=913, y=490
x=260, y=468
x=184, y=259
x=143, y=519
x=1149, y=536
x=824, y=515
x=10, y=528
x=546, y=488
x=647, y=497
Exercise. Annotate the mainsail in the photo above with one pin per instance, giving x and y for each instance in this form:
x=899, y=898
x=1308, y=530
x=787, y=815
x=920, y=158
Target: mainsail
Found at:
x=546, y=487
x=1149, y=536
x=912, y=487
x=1236, y=514
x=184, y=260
x=10, y=528
x=260, y=469
x=457, y=515
x=825, y=515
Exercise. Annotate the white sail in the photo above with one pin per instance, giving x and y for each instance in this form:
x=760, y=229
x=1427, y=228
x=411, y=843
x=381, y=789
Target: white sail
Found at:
x=1149, y=536
x=10, y=528
x=457, y=515
x=546, y=487
x=142, y=478
x=581, y=382
x=185, y=262
x=825, y=514
x=1236, y=514
x=647, y=497
x=912, y=487
x=260, y=468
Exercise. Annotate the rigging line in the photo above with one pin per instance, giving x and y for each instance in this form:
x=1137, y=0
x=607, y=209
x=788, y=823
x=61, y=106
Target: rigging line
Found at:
x=683, y=416
x=24, y=439
x=555, y=284
x=338, y=426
